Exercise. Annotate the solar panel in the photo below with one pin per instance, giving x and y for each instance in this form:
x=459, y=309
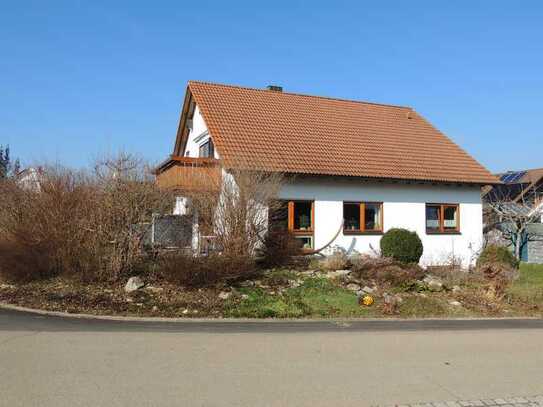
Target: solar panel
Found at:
x=512, y=177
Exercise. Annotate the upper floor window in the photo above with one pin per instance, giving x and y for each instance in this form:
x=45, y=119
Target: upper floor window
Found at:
x=207, y=150
x=442, y=218
x=361, y=217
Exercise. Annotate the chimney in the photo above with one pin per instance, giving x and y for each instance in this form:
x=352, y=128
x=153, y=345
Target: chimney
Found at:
x=275, y=88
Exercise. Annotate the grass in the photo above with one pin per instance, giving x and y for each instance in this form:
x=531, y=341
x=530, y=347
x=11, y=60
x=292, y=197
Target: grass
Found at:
x=315, y=297
x=528, y=288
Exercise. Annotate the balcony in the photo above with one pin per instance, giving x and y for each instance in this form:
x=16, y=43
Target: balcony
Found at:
x=189, y=174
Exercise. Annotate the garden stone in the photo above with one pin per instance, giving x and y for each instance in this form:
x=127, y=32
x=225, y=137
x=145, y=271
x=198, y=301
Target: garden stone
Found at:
x=392, y=299
x=154, y=289
x=133, y=284
x=244, y=296
x=353, y=287
x=337, y=273
x=223, y=295
x=368, y=290
x=456, y=289
x=433, y=283
x=247, y=283
x=455, y=303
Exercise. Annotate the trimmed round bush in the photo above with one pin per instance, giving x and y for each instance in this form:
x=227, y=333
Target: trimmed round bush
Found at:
x=497, y=254
x=402, y=245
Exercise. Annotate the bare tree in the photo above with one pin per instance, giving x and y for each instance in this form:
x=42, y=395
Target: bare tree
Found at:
x=512, y=216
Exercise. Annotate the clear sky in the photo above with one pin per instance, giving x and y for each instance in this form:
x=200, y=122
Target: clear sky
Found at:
x=80, y=79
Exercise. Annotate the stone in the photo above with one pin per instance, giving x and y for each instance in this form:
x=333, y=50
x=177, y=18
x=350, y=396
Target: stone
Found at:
x=338, y=273
x=368, y=290
x=185, y=311
x=154, y=289
x=455, y=303
x=224, y=295
x=392, y=299
x=433, y=283
x=155, y=308
x=247, y=283
x=133, y=284
x=456, y=289
x=353, y=287
x=244, y=296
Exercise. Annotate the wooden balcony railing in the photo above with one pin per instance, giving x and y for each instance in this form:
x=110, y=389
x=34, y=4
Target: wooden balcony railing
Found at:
x=189, y=174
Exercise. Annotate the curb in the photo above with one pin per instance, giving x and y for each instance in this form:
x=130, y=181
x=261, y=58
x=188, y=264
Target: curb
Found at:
x=60, y=314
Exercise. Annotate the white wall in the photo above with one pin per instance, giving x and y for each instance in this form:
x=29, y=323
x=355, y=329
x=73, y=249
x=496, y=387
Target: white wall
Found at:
x=197, y=136
x=404, y=206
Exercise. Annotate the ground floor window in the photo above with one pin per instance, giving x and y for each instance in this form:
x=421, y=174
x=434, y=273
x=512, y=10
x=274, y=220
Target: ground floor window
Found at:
x=298, y=217
x=362, y=217
x=442, y=218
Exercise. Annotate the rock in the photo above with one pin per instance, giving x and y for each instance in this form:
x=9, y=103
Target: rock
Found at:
x=294, y=283
x=368, y=290
x=392, y=299
x=456, y=289
x=353, y=287
x=185, y=311
x=455, y=303
x=155, y=308
x=7, y=286
x=247, y=283
x=244, y=296
x=133, y=284
x=433, y=283
x=154, y=289
x=224, y=295
x=337, y=273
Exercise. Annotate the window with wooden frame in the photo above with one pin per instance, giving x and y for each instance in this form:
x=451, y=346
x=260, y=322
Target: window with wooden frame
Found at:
x=442, y=218
x=207, y=149
x=362, y=217
x=301, y=220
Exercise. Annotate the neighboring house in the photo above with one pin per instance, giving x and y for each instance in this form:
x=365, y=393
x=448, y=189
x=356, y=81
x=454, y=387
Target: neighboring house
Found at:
x=30, y=178
x=521, y=192
x=359, y=168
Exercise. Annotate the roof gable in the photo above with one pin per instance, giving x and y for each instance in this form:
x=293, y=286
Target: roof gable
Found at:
x=277, y=131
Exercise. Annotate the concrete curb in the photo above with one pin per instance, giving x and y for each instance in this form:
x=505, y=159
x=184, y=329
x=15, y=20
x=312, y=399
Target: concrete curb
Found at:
x=60, y=314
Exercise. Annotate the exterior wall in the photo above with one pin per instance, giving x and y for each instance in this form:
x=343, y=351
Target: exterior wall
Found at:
x=197, y=136
x=535, y=251
x=404, y=206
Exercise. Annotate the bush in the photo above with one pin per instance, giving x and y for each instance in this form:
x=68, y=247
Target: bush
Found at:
x=279, y=249
x=336, y=261
x=499, y=277
x=192, y=271
x=385, y=271
x=497, y=254
x=402, y=245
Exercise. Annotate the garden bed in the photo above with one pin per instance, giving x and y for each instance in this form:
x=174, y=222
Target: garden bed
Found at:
x=287, y=293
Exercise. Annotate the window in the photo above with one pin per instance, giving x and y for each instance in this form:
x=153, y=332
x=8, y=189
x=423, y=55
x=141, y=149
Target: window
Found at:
x=442, y=218
x=297, y=217
x=362, y=217
x=207, y=150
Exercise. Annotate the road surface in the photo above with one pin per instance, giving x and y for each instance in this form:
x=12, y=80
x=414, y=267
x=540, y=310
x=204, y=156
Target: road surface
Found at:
x=52, y=361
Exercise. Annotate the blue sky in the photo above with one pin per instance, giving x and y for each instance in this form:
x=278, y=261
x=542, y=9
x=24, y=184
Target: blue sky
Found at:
x=80, y=79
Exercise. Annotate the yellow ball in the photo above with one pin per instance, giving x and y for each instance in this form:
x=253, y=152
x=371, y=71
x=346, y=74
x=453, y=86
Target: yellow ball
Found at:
x=367, y=300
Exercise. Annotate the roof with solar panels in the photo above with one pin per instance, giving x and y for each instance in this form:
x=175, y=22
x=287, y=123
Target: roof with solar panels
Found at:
x=516, y=184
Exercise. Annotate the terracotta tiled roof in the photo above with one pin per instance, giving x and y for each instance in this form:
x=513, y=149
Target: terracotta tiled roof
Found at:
x=277, y=131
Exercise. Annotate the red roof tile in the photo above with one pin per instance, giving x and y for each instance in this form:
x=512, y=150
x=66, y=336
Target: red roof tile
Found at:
x=277, y=131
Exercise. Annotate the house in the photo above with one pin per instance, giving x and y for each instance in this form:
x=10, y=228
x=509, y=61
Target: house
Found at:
x=358, y=168
x=520, y=196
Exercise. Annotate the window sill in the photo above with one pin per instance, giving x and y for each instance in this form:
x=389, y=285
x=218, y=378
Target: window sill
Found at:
x=453, y=232
x=302, y=232
x=362, y=232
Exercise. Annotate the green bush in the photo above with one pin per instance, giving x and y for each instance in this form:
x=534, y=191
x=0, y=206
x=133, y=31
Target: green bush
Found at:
x=402, y=245
x=497, y=254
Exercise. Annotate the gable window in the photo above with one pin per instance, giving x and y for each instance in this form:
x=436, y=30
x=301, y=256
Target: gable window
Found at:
x=207, y=150
x=442, y=218
x=362, y=217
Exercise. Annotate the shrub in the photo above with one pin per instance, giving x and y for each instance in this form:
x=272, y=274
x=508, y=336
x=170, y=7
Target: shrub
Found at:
x=278, y=249
x=336, y=261
x=402, y=245
x=497, y=254
x=201, y=271
x=386, y=271
x=499, y=277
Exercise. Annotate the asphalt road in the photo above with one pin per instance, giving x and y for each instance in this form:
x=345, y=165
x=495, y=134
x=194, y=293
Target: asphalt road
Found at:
x=53, y=361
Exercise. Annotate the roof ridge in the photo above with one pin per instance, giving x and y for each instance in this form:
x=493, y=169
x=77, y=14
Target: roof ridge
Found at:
x=301, y=94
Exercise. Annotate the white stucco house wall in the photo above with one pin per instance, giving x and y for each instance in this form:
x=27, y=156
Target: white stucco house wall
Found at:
x=354, y=169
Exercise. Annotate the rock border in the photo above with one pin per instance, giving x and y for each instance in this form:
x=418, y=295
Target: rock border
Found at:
x=60, y=314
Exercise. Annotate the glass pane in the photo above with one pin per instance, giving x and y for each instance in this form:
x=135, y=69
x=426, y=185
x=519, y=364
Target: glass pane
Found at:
x=351, y=216
x=306, y=241
x=450, y=214
x=302, y=216
x=433, y=217
x=373, y=216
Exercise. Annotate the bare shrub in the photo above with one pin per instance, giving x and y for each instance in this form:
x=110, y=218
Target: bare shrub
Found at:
x=386, y=271
x=235, y=209
x=278, y=249
x=200, y=271
x=336, y=261
x=81, y=224
x=499, y=277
